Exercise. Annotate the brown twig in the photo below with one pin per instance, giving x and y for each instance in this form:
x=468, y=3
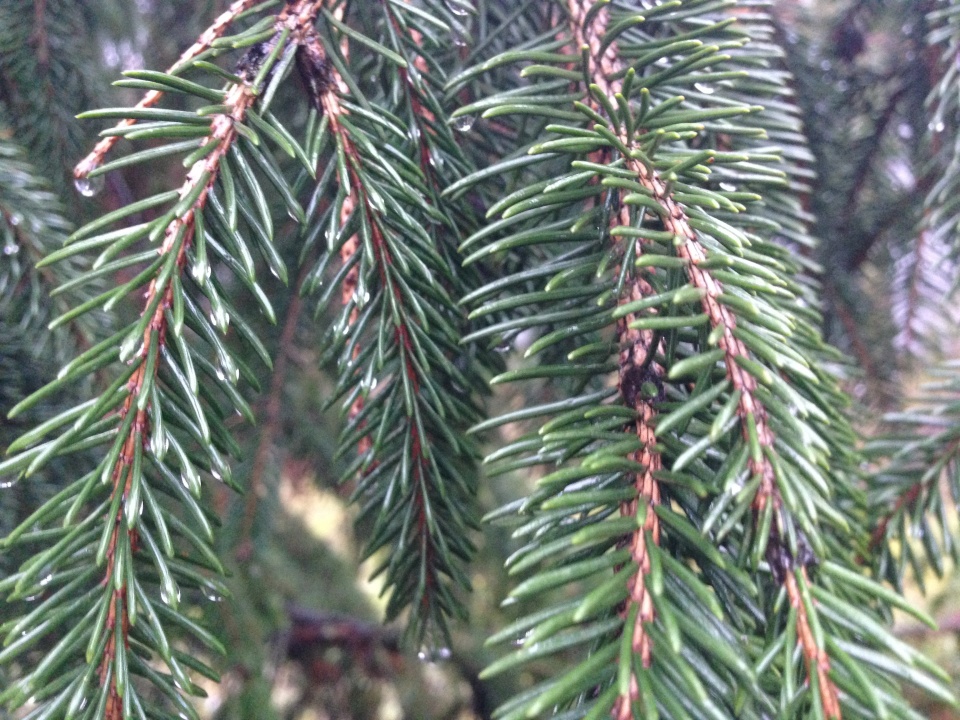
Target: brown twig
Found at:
x=39, y=37
x=325, y=84
x=219, y=26
x=636, y=369
x=752, y=413
x=176, y=241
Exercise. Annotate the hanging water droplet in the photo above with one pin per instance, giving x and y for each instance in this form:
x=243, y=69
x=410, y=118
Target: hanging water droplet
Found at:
x=46, y=580
x=186, y=481
x=459, y=33
x=16, y=219
x=200, y=270
x=220, y=317
x=463, y=123
x=129, y=348
x=212, y=595
x=159, y=444
x=165, y=596
x=11, y=249
x=228, y=370
x=729, y=187
x=704, y=88
x=905, y=131
x=937, y=127
x=88, y=187
x=459, y=7
x=436, y=159
x=430, y=654
x=7, y=484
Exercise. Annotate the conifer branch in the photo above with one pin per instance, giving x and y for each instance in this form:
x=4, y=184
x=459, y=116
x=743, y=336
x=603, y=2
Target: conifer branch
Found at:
x=411, y=387
x=125, y=540
x=96, y=157
x=638, y=370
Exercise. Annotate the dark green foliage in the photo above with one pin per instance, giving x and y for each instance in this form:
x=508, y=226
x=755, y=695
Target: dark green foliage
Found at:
x=600, y=206
x=47, y=75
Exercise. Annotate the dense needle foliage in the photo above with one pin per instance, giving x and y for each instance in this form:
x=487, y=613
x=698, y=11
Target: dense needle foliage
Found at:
x=557, y=252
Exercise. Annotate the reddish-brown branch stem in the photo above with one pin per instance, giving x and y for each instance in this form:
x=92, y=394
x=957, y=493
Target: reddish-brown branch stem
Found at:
x=818, y=663
x=218, y=28
x=909, y=498
x=39, y=37
x=176, y=240
x=358, y=201
x=750, y=409
x=636, y=368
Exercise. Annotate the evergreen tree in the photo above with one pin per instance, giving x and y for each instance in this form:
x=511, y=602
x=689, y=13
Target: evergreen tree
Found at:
x=601, y=206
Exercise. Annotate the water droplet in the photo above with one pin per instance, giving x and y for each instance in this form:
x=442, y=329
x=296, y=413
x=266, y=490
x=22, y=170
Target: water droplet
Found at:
x=220, y=317
x=11, y=249
x=459, y=33
x=459, y=7
x=729, y=187
x=825, y=65
x=431, y=654
x=165, y=596
x=937, y=127
x=200, y=270
x=436, y=159
x=159, y=444
x=16, y=219
x=463, y=123
x=129, y=348
x=704, y=88
x=227, y=370
x=7, y=484
x=905, y=131
x=212, y=595
x=46, y=580
x=186, y=481
x=88, y=187
x=523, y=638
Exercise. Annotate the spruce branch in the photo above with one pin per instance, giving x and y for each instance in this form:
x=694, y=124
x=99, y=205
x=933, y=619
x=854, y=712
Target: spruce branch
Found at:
x=96, y=157
x=665, y=148
x=406, y=384
x=118, y=520
x=637, y=370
